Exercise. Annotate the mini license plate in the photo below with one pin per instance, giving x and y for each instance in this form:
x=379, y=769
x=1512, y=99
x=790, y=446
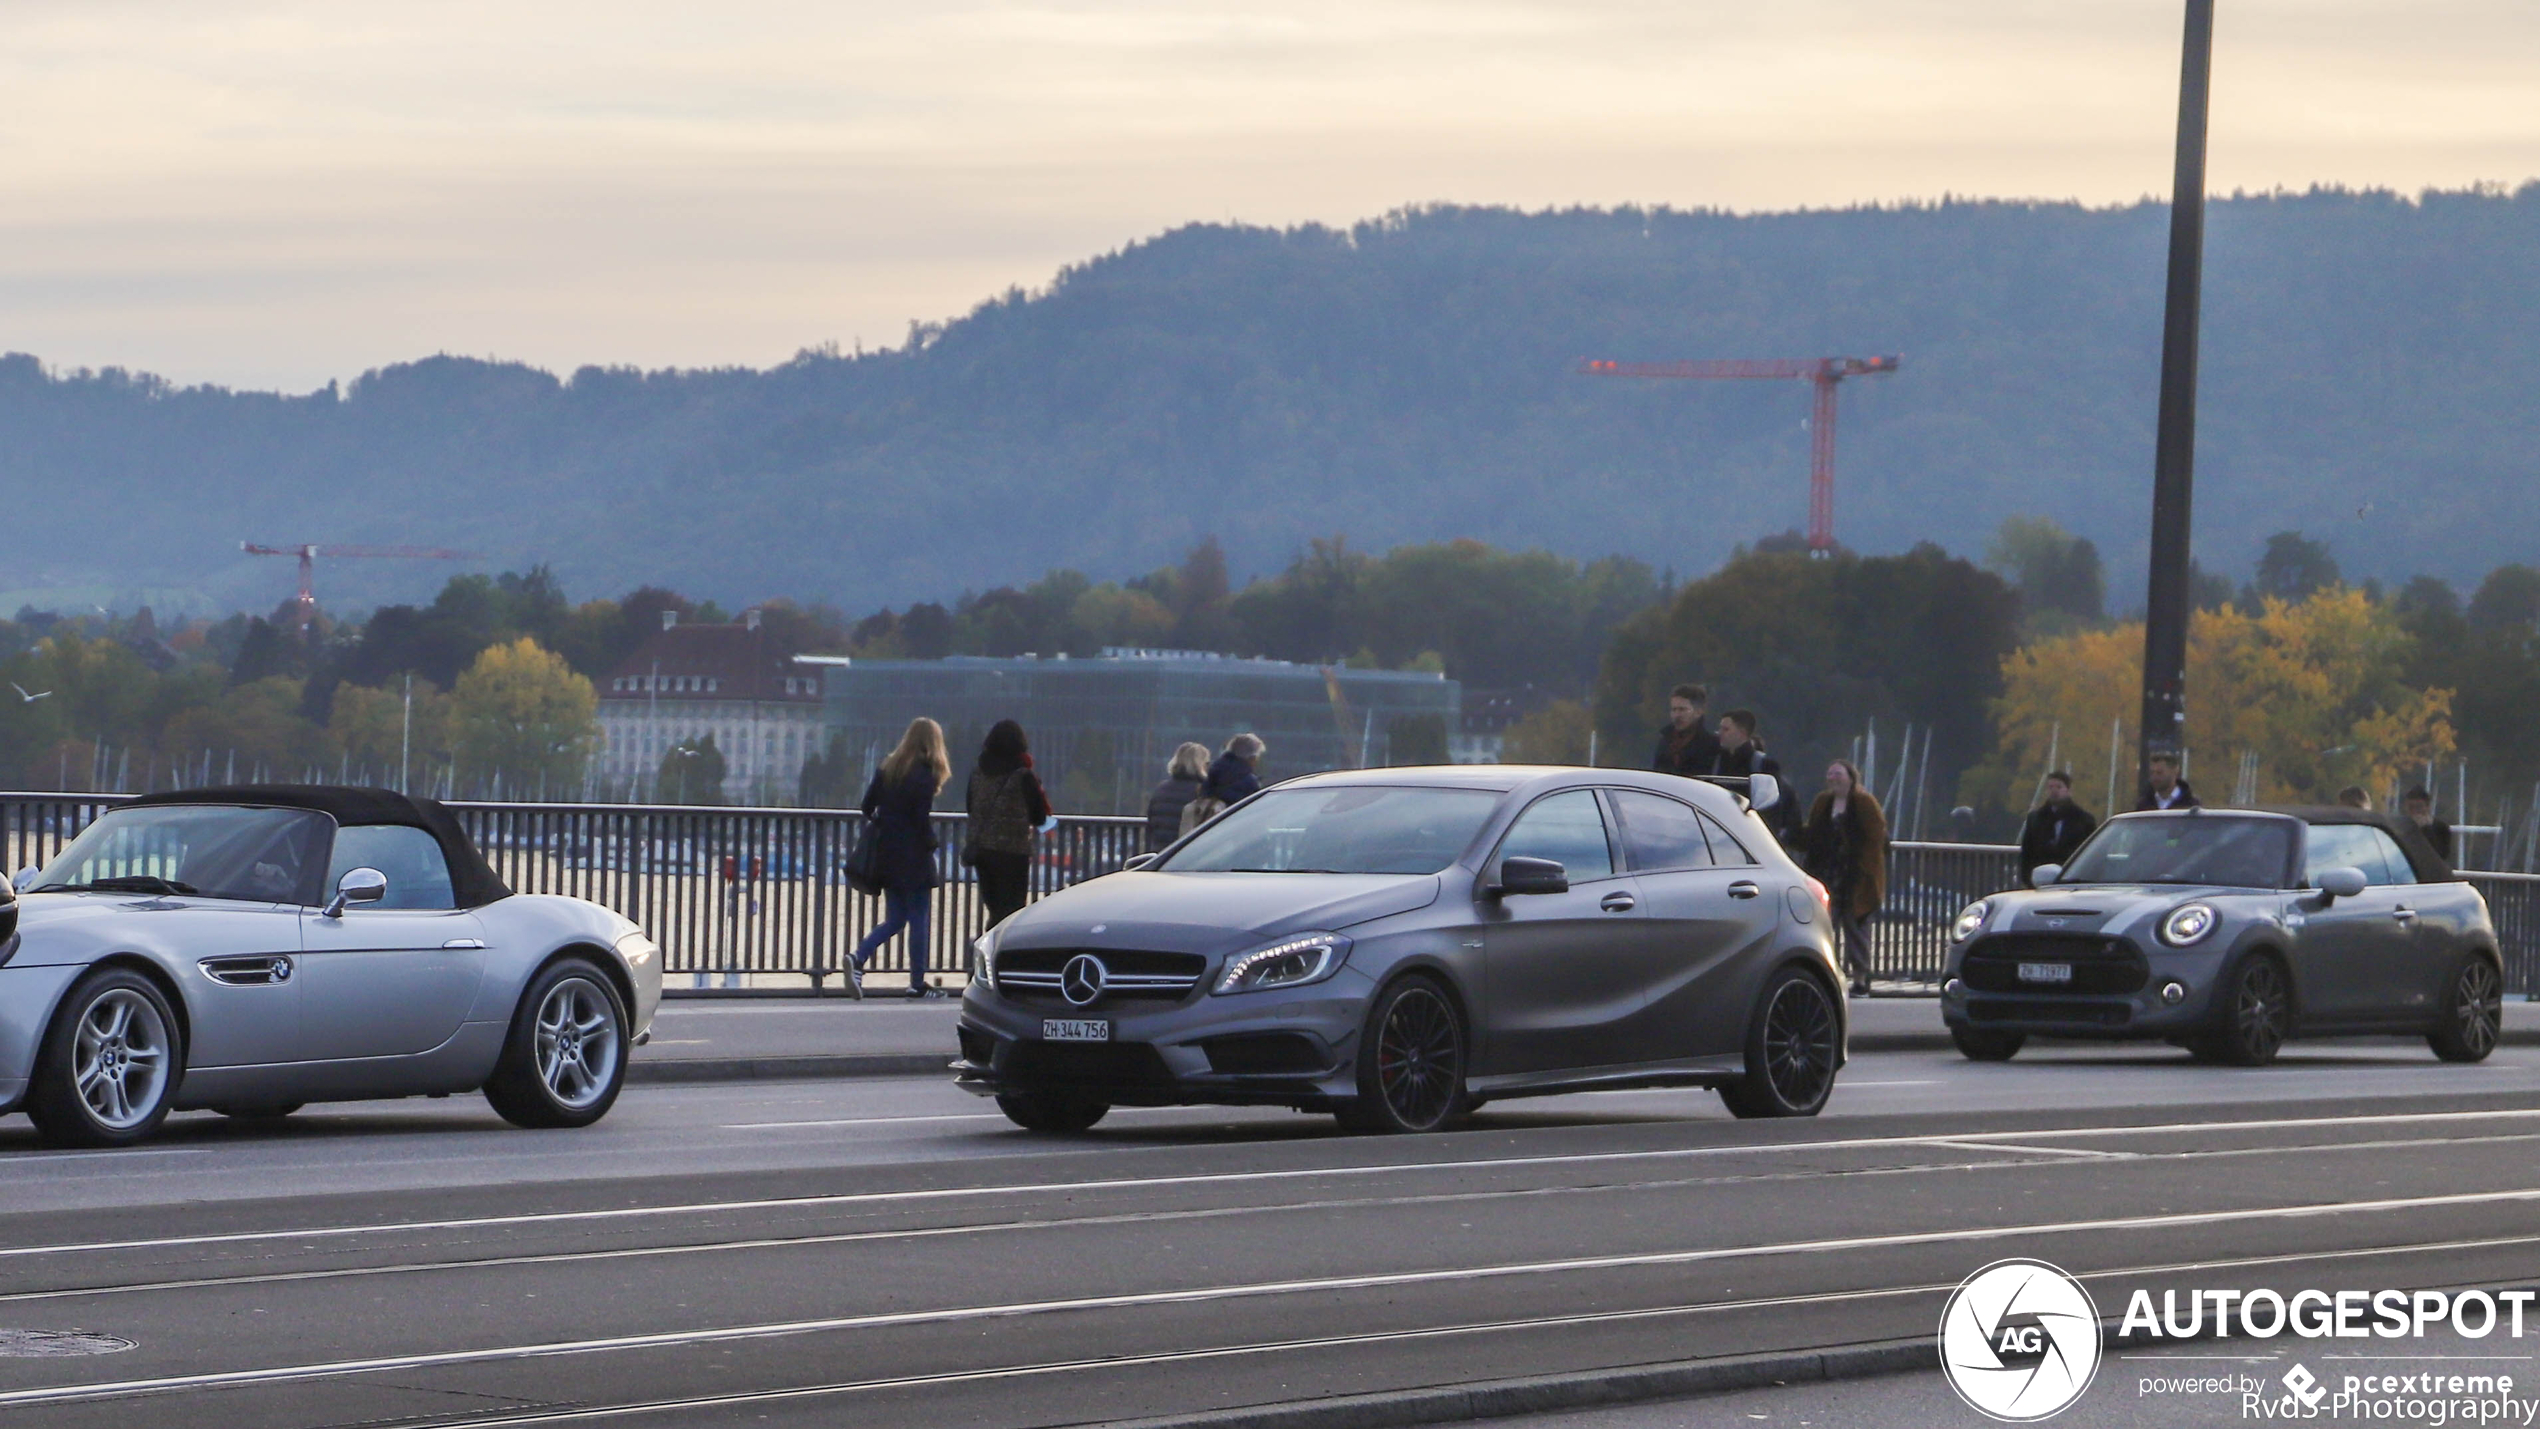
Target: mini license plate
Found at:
x=1072, y=1029
x=2046, y=972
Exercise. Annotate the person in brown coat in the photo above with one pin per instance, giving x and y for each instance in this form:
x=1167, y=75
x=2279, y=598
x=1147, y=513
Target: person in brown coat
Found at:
x=1844, y=847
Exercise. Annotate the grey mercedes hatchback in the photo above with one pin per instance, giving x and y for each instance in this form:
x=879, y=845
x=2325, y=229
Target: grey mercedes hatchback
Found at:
x=1398, y=946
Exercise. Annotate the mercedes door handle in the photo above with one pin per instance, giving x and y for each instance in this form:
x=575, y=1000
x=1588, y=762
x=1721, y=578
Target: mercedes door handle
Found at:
x=2404, y=915
x=1618, y=903
x=1745, y=888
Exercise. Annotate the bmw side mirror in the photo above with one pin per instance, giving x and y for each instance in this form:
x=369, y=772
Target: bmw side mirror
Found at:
x=2342, y=882
x=1520, y=876
x=360, y=885
x=1763, y=791
x=2044, y=873
x=1138, y=862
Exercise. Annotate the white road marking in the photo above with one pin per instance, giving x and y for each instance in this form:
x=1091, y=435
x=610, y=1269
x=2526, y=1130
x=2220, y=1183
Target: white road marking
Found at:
x=694, y=1208
x=926, y=1232
x=1254, y=1290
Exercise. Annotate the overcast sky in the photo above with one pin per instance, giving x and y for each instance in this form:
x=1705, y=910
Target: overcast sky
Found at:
x=280, y=192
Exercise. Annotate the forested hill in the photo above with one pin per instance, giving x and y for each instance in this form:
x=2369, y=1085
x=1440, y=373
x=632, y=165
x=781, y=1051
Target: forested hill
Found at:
x=2369, y=365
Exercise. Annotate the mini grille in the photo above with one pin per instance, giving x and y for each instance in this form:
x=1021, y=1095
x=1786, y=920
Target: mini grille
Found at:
x=2100, y=965
x=2044, y=1009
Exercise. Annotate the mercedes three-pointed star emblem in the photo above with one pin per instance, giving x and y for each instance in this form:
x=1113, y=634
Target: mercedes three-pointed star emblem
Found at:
x=1080, y=982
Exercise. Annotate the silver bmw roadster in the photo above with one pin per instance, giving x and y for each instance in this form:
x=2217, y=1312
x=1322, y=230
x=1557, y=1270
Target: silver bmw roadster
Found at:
x=250, y=950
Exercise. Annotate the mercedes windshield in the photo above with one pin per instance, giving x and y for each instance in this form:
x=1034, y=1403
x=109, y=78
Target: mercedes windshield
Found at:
x=1351, y=828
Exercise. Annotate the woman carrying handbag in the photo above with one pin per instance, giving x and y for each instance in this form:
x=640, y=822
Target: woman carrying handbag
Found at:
x=899, y=849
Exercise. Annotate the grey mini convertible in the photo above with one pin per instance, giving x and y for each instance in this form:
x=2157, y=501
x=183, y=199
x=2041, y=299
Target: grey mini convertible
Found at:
x=253, y=949
x=2226, y=932
x=1397, y=946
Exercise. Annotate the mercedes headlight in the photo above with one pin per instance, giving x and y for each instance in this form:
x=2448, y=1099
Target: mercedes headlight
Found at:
x=983, y=956
x=1289, y=962
x=1970, y=920
x=2188, y=924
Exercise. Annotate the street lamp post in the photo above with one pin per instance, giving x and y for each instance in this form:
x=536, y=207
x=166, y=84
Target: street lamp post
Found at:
x=2168, y=597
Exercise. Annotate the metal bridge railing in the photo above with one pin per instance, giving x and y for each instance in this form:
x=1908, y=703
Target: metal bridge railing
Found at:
x=735, y=894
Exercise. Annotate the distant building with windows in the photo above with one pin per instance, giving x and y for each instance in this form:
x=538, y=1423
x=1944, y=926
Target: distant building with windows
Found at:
x=689, y=681
x=1103, y=728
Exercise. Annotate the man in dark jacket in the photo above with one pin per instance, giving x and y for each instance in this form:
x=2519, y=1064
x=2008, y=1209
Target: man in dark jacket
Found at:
x=2418, y=805
x=1684, y=746
x=1743, y=756
x=2167, y=790
x=2055, y=828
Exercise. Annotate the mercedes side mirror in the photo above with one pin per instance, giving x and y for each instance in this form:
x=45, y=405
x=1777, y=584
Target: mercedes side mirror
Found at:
x=2044, y=873
x=2342, y=882
x=1763, y=791
x=1137, y=862
x=1519, y=877
x=359, y=885
x=24, y=877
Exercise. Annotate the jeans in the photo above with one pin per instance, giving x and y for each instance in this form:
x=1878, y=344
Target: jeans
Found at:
x=910, y=908
x=1854, y=934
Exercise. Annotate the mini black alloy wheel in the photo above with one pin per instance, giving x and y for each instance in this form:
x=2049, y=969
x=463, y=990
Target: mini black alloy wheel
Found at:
x=2260, y=1009
x=1792, y=1050
x=1414, y=1079
x=2473, y=1016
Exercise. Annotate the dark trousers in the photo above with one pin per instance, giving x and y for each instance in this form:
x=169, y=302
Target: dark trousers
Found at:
x=908, y=908
x=1854, y=935
x=1005, y=882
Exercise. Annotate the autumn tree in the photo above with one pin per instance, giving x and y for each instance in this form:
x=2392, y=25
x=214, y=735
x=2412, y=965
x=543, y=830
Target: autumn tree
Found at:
x=521, y=713
x=370, y=728
x=2315, y=688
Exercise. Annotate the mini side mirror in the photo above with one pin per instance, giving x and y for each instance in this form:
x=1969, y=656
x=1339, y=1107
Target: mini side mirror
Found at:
x=1137, y=862
x=2044, y=873
x=1763, y=791
x=2342, y=882
x=359, y=885
x=1519, y=877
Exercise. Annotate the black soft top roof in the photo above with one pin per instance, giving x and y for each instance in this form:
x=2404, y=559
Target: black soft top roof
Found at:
x=472, y=882
x=2429, y=865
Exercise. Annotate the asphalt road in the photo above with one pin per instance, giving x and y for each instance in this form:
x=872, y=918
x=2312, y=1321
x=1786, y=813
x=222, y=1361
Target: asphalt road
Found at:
x=889, y=1252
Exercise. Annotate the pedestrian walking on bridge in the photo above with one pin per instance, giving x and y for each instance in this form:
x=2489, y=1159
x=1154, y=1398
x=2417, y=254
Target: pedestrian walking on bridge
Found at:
x=1007, y=808
x=1184, y=780
x=2055, y=828
x=1844, y=846
x=899, y=808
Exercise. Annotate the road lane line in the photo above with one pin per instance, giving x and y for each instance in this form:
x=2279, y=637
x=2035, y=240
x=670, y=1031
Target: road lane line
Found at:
x=1254, y=1290
x=2080, y=1152
x=1194, y=1214
x=740, y=1397
x=1769, y=1148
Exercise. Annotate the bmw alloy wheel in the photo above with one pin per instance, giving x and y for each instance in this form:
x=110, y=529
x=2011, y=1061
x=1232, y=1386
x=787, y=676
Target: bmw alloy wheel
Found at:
x=119, y=1059
x=577, y=1043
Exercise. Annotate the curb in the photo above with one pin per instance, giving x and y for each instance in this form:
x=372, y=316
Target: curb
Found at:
x=1493, y=1399
x=775, y=1069
x=1939, y=1041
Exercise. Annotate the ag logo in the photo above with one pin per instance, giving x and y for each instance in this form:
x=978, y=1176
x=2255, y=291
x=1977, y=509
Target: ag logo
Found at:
x=2019, y=1340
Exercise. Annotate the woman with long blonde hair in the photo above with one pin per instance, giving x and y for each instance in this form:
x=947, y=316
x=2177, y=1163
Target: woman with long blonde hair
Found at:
x=899, y=806
x=1184, y=778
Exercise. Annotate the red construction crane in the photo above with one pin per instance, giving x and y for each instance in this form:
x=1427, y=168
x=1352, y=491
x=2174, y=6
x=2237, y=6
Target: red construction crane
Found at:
x=306, y=605
x=1824, y=372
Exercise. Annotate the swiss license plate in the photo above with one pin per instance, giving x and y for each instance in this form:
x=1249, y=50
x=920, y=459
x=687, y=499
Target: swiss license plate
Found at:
x=2046, y=972
x=1074, y=1029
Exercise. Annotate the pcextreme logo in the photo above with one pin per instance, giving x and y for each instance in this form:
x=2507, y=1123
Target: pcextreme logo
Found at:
x=2019, y=1340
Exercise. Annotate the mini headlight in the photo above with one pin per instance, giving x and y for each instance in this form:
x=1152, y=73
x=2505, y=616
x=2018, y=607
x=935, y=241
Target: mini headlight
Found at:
x=1970, y=920
x=2187, y=924
x=1289, y=962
